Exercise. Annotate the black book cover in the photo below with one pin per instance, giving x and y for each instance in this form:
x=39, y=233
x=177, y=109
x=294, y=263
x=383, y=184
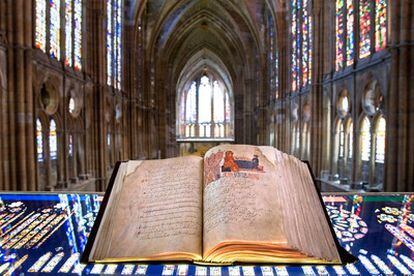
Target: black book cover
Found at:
x=345, y=256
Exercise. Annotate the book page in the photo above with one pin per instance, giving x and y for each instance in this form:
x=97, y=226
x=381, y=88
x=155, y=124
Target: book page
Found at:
x=304, y=218
x=241, y=196
x=158, y=212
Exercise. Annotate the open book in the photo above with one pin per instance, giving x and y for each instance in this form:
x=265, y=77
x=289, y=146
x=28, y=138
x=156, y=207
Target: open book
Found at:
x=237, y=204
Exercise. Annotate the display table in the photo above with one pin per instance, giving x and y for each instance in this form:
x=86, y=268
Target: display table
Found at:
x=46, y=233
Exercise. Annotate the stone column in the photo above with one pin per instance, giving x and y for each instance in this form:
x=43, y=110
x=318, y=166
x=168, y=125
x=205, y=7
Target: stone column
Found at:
x=96, y=67
x=20, y=98
x=317, y=134
x=399, y=156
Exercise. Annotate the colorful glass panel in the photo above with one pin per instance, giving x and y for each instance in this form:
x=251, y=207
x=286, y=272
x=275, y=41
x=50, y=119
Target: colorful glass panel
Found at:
x=310, y=51
x=365, y=139
x=305, y=46
x=39, y=140
x=301, y=31
x=305, y=43
x=118, y=48
x=40, y=41
x=53, y=140
x=114, y=42
x=380, y=24
x=295, y=45
x=77, y=34
x=380, y=141
x=365, y=19
x=350, y=35
x=276, y=73
x=109, y=37
x=68, y=33
x=54, y=28
x=339, y=34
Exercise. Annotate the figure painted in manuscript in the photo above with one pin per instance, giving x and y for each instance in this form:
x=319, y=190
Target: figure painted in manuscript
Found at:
x=230, y=164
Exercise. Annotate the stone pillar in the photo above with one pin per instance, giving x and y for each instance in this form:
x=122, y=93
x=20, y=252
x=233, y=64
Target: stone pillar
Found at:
x=96, y=67
x=317, y=134
x=20, y=98
x=399, y=157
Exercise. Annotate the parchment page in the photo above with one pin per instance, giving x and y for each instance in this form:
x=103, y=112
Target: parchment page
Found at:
x=159, y=211
x=241, y=196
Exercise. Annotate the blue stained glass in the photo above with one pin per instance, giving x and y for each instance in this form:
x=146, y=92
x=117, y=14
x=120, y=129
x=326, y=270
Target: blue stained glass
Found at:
x=54, y=28
x=78, y=34
x=109, y=37
x=41, y=25
x=68, y=33
x=119, y=44
x=301, y=31
x=114, y=42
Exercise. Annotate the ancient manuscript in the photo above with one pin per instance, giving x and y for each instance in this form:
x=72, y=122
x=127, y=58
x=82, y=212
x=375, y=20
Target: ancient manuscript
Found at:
x=237, y=204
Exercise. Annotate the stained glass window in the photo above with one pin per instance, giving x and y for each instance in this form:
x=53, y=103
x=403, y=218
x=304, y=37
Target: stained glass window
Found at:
x=273, y=58
x=71, y=105
x=350, y=139
x=372, y=29
x=345, y=20
x=204, y=102
x=53, y=140
x=296, y=139
x=365, y=139
x=114, y=45
x=54, y=28
x=191, y=102
x=380, y=24
x=227, y=108
x=380, y=140
x=350, y=35
x=306, y=44
x=49, y=25
x=301, y=31
x=118, y=28
x=39, y=141
x=219, y=102
x=77, y=34
x=340, y=22
x=295, y=45
x=68, y=32
x=276, y=73
x=70, y=148
x=341, y=137
x=207, y=108
x=365, y=25
x=109, y=40
x=41, y=25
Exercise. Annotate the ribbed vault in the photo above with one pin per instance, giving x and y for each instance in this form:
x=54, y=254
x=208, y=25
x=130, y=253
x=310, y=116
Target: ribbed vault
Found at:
x=180, y=37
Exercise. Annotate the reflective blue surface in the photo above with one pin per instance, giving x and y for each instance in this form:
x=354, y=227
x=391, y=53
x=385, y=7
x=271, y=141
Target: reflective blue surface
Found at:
x=46, y=233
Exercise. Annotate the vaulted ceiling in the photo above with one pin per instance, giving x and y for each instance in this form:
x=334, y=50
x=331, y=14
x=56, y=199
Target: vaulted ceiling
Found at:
x=179, y=37
x=176, y=30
